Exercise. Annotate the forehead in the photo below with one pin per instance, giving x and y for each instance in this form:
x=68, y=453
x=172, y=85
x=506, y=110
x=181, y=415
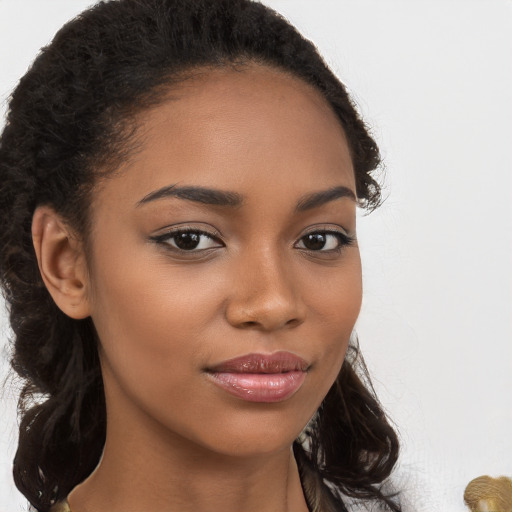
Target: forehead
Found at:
x=232, y=129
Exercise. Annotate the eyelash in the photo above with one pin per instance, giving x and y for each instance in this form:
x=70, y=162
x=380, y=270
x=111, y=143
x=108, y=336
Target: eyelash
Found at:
x=344, y=240
x=172, y=234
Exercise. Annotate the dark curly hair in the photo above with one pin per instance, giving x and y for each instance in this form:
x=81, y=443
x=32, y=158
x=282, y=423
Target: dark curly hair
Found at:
x=70, y=120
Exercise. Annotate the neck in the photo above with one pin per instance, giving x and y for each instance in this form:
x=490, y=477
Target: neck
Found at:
x=213, y=484
x=145, y=467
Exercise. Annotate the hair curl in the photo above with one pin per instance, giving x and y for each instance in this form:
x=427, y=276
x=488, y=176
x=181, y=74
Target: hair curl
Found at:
x=70, y=120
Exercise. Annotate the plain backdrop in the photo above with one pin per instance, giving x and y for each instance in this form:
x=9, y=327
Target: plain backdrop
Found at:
x=434, y=81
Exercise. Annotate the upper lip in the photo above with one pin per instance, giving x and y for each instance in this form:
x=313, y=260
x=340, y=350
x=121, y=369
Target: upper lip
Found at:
x=278, y=362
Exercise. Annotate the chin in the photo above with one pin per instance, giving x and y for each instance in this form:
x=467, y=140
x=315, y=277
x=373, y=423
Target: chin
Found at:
x=252, y=433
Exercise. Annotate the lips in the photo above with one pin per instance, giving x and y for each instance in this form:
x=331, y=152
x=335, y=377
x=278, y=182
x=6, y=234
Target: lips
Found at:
x=259, y=377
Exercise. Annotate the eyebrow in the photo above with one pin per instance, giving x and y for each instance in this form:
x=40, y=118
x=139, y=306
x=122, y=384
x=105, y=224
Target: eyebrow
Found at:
x=310, y=201
x=233, y=199
x=197, y=194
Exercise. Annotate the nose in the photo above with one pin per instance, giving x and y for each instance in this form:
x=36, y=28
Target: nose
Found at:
x=265, y=296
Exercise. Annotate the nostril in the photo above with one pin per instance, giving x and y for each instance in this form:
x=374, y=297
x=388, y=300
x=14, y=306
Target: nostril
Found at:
x=248, y=325
x=252, y=324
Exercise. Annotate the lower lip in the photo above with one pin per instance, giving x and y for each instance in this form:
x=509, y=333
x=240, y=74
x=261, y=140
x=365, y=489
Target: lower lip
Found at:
x=260, y=387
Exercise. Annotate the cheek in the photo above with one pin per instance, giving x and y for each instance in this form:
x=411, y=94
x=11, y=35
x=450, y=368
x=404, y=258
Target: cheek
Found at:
x=333, y=304
x=334, y=300
x=158, y=322
x=153, y=329
x=148, y=312
x=341, y=308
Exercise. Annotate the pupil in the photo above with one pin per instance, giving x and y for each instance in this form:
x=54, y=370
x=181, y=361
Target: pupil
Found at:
x=315, y=241
x=187, y=241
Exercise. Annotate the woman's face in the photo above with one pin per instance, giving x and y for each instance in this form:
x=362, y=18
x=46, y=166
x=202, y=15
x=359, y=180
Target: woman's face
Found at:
x=225, y=277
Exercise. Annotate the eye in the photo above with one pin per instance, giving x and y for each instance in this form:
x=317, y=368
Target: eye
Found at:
x=189, y=240
x=324, y=241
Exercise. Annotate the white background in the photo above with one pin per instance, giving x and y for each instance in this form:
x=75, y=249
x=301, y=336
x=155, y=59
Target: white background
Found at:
x=434, y=80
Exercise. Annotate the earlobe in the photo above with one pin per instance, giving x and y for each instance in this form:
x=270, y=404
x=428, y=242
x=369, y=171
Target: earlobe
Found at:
x=61, y=261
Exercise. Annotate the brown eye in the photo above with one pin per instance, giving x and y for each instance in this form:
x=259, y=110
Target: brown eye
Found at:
x=315, y=241
x=324, y=241
x=188, y=240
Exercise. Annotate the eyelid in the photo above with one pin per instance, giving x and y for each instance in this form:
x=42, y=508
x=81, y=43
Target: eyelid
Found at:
x=326, y=228
x=168, y=232
x=196, y=228
x=344, y=238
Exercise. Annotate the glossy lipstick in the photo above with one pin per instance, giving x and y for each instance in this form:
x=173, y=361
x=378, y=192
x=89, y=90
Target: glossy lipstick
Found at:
x=260, y=377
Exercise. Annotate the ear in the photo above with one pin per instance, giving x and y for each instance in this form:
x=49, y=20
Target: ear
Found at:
x=61, y=261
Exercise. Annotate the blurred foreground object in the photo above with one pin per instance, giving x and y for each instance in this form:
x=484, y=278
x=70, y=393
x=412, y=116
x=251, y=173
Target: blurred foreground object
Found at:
x=486, y=494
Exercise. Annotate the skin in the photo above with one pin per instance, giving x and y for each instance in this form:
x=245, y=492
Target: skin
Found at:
x=175, y=440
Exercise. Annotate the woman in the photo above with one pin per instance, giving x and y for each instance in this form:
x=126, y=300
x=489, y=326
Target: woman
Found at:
x=179, y=255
